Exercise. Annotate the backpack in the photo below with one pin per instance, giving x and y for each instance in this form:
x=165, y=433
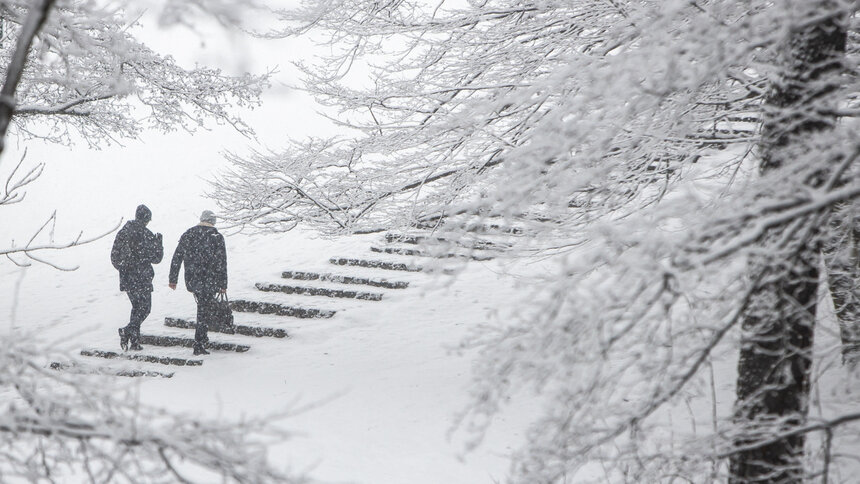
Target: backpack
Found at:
x=120, y=253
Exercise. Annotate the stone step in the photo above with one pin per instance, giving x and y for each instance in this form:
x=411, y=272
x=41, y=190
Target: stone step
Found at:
x=162, y=340
x=245, y=306
x=101, y=370
x=315, y=276
x=376, y=264
x=423, y=239
x=255, y=331
x=421, y=253
x=319, y=291
x=162, y=360
x=486, y=229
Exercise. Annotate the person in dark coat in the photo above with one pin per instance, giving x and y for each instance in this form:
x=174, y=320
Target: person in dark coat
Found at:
x=134, y=250
x=201, y=248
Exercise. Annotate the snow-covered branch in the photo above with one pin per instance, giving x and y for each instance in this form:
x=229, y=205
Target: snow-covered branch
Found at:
x=64, y=108
x=30, y=249
x=93, y=75
x=36, y=16
x=650, y=152
x=69, y=416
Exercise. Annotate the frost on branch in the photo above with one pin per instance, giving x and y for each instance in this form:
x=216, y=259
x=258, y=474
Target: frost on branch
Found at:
x=59, y=426
x=625, y=138
x=515, y=86
x=89, y=77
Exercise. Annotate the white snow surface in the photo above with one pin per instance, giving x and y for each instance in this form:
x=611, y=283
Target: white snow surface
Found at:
x=380, y=380
x=374, y=391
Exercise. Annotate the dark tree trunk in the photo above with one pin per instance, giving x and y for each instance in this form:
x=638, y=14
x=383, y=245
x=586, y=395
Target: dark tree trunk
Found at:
x=775, y=358
x=773, y=371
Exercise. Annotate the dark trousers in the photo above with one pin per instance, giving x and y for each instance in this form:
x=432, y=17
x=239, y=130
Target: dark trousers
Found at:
x=205, y=305
x=141, y=305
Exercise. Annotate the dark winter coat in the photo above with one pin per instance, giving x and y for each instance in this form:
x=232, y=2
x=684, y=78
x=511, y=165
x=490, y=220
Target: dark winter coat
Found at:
x=134, y=250
x=202, y=250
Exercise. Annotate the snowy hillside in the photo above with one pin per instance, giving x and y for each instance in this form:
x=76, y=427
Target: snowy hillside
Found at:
x=377, y=384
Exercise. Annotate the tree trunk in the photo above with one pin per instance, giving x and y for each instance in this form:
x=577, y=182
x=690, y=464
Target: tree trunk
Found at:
x=773, y=372
x=776, y=351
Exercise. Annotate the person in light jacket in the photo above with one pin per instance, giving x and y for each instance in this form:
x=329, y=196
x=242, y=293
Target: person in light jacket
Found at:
x=201, y=248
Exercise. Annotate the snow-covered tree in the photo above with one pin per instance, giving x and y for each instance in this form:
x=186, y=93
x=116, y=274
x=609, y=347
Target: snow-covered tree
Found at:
x=89, y=80
x=684, y=164
x=72, y=72
x=774, y=371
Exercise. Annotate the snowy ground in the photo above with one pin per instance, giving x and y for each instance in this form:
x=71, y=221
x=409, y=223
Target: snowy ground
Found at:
x=380, y=377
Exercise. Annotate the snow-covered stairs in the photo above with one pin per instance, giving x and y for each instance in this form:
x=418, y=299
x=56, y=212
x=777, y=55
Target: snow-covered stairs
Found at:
x=421, y=253
x=240, y=329
x=261, y=312
x=83, y=369
x=319, y=291
x=314, y=276
x=163, y=340
x=376, y=264
x=472, y=244
x=147, y=358
x=245, y=306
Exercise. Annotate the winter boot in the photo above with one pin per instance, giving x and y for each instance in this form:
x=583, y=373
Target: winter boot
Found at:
x=201, y=333
x=134, y=340
x=199, y=349
x=123, y=339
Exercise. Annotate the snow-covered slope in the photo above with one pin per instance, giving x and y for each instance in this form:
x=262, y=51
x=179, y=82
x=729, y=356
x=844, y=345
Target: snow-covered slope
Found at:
x=378, y=384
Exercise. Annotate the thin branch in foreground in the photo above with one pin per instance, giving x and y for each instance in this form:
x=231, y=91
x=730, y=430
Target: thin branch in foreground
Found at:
x=29, y=249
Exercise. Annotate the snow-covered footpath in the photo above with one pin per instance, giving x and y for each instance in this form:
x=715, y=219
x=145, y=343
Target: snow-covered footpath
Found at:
x=378, y=385
x=379, y=381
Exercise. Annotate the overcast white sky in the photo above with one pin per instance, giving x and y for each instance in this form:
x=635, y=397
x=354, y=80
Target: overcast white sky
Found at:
x=93, y=189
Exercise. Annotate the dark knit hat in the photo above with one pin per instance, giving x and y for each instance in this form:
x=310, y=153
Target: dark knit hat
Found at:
x=143, y=214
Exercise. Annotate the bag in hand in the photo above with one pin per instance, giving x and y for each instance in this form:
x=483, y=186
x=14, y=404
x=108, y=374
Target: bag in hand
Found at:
x=222, y=315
